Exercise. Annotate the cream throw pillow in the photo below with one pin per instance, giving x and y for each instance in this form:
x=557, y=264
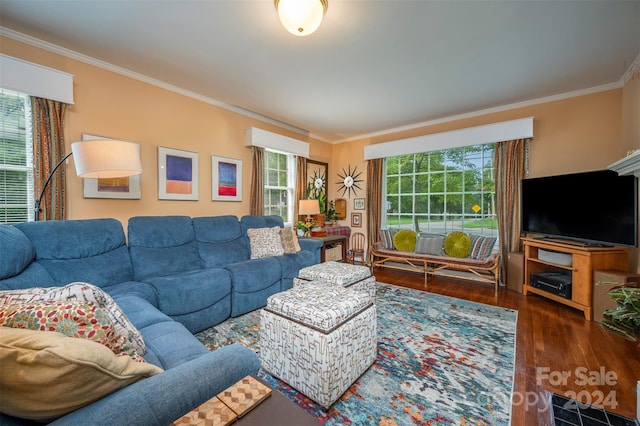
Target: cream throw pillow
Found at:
x=46, y=374
x=265, y=242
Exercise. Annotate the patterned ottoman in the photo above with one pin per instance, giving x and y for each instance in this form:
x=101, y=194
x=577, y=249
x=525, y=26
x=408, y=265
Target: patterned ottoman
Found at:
x=355, y=277
x=318, y=339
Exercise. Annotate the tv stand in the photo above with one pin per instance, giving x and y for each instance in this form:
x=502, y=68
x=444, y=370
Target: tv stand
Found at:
x=571, y=242
x=585, y=259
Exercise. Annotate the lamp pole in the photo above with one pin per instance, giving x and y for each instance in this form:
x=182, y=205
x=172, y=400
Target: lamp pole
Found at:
x=46, y=183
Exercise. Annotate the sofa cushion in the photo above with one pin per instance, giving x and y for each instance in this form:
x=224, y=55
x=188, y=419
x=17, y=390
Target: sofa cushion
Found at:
x=266, y=221
x=46, y=374
x=481, y=246
x=90, y=250
x=265, y=242
x=220, y=240
x=457, y=244
x=17, y=251
x=34, y=275
x=162, y=245
x=192, y=291
x=405, y=240
x=80, y=320
x=80, y=293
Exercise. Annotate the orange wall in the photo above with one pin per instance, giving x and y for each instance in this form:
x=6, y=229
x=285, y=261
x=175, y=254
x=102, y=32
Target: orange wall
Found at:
x=112, y=105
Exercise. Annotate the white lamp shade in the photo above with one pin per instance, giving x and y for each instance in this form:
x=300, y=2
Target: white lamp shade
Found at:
x=301, y=17
x=309, y=207
x=106, y=158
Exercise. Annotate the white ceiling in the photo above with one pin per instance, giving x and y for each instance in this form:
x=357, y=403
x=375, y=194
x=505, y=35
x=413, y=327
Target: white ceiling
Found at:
x=372, y=66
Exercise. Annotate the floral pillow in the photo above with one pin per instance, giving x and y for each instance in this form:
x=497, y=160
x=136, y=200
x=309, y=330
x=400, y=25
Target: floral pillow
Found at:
x=265, y=242
x=289, y=239
x=81, y=293
x=81, y=320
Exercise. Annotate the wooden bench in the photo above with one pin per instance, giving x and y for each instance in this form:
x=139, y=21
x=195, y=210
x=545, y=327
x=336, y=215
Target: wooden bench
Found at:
x=482, y=270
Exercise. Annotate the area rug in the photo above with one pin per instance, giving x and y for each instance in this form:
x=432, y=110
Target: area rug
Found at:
x=441, y=361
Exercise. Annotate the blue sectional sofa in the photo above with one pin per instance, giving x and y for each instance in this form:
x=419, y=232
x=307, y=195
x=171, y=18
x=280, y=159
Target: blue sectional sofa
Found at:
x=173, y=276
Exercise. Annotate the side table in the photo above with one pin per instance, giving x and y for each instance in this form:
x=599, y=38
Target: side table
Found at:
x=331, y=241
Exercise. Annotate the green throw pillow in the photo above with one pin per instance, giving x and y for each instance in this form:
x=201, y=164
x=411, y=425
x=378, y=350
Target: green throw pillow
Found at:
x=405, y=240
x=457, y=244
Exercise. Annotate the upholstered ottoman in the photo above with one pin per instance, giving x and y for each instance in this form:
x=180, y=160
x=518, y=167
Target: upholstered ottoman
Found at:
x=318, y=339
x=355, y=277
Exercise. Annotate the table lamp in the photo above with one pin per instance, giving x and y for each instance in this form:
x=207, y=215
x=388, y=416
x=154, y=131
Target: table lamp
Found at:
x=309, y=207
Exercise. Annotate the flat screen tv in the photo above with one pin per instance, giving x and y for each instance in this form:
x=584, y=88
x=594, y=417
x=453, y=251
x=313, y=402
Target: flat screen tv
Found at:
x=596, y=208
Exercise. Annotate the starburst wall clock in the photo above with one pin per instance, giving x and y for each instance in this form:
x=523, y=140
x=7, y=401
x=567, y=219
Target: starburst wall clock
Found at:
x=349, y=181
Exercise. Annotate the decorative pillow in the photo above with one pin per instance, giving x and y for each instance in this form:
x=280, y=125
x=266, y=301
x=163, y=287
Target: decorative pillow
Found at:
x=17, y=251
x=386, y=237
x=405, y=240
x=81, y=293
x=289, y=240
x=265, y=242
x=481, y=247
x=457, y=244
x=430, y=245
x=46, y=374
x=85, y=321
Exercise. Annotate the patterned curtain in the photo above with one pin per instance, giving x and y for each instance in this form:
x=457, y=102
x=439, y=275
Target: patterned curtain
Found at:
x=257, y=181
x=510, y=161
x=48, y=150
x=374, y=195
x=301, y=185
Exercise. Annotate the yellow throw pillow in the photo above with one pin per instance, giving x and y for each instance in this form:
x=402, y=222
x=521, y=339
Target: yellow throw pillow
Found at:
x=457, y=244
x=405, y=240
x=46, y=374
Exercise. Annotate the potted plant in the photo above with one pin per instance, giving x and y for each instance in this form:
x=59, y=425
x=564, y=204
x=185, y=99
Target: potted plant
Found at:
x=315, y=191
x=625, y=318
x=331, y=215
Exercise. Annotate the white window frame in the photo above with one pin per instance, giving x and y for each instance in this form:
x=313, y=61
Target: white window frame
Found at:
x=291, y=183
x=486, y=211
x=27, y=167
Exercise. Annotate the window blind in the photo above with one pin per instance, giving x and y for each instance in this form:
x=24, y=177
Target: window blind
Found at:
x=16, y=158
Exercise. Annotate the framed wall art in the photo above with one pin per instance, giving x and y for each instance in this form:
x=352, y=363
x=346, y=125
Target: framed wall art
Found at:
x=356, y=220
x=226, y=177
x=358, y=204
x=116, y=188
x=177, y=174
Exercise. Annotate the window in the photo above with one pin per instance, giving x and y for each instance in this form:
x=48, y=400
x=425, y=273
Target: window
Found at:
x=442, y=191
x=16, y=158
x=279, y=184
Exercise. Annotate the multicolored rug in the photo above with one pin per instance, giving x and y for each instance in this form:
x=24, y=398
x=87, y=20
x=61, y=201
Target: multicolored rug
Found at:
x=441, y=361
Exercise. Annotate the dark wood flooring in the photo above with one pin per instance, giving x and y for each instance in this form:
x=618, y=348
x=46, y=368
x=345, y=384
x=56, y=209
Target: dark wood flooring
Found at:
x=552, y=340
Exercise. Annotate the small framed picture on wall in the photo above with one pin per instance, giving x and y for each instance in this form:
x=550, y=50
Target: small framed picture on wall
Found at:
x=356, y=220
x=358, y=203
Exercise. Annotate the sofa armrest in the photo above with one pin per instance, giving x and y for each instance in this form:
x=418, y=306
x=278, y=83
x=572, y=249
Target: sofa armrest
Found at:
x=163, y=398
x=311, y=245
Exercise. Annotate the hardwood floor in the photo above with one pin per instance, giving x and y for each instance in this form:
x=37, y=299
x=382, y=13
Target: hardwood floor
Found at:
x=599, y=367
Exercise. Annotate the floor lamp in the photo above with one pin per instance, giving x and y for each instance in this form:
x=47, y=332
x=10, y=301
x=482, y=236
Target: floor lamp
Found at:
x=99, y=159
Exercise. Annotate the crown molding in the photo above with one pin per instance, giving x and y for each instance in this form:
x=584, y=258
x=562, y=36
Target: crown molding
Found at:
x=62, y=51
x=631, y=71
x=537, y=101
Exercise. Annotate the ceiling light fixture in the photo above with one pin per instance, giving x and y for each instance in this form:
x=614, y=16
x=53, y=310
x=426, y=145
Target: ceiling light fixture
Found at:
x=301, y=17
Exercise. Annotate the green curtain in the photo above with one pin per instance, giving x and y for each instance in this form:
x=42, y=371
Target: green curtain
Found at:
x=48, y=150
